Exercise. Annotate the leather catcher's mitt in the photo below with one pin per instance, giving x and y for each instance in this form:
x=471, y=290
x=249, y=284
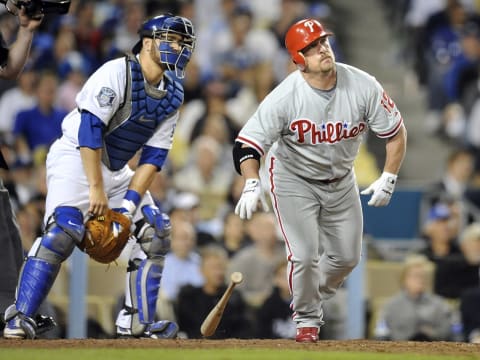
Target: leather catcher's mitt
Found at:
x=99, y=241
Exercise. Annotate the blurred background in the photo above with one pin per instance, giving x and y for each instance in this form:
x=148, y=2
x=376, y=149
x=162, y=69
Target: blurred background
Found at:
x=421, y=253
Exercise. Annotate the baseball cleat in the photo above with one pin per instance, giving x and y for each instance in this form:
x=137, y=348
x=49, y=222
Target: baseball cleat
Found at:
x=163, y=329
x=44, y=323
x=19, y=326
x=307, y=334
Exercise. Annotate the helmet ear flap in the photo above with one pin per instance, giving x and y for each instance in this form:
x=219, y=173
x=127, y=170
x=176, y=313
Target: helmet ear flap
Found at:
x=299, y=60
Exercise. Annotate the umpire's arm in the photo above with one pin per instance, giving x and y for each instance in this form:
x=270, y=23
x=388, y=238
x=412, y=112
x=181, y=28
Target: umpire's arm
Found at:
x=18, y=52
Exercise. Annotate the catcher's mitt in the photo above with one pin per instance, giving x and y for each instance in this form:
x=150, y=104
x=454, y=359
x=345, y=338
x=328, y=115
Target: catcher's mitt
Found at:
x=99, y=241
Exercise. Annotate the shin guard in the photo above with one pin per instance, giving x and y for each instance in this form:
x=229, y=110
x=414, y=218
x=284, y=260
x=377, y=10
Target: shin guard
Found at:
x=36, y=279
x=148, y=280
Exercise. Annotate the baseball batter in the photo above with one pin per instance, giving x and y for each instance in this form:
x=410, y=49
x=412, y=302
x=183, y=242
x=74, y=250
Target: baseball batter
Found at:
x=310, y=128
x=128, y=105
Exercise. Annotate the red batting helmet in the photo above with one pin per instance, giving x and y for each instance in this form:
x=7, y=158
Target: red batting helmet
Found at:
x=300, y=35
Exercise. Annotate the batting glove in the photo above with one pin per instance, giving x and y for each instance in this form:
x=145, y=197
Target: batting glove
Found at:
x=382, y=189
x=252, y=193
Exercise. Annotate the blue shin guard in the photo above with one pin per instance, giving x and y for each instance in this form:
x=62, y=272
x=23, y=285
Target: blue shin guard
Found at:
x=148, y=280
x=36, y=279
x=138, y=318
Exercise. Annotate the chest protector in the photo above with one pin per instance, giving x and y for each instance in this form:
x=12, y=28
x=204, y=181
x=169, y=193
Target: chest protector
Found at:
x=139, y=116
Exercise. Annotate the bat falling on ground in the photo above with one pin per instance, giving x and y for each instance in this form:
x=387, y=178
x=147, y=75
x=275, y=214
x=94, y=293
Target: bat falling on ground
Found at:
x=213, y=318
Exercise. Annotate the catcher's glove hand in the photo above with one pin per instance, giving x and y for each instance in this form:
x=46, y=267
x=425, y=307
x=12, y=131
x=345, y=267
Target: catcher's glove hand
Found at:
x=101, y=242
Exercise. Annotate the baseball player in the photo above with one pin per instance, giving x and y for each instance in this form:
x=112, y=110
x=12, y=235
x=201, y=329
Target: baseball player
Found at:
x=129, y=104
x=310, y=127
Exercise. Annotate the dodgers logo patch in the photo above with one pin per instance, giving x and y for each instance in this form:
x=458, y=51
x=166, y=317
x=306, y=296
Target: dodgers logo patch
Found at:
x=105, y=97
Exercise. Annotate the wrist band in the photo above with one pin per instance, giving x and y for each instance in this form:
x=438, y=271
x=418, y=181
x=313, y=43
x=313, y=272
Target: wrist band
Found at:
x=131, y=200
x=133, y=196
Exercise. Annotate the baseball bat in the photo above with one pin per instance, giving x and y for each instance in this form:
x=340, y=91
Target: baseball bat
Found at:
x=213, y=318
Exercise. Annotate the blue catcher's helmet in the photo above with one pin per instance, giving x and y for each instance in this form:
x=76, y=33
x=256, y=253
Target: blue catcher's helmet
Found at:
x=160, y=27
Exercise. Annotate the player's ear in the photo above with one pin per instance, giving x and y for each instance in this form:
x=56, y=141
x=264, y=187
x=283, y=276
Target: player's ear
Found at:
x=146, y=43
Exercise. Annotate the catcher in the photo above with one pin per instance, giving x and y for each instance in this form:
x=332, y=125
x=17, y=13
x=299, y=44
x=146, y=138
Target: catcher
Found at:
x=128, y=106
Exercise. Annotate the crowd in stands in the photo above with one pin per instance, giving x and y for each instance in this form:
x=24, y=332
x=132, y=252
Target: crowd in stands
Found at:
x=441, y=43
x=238, y=59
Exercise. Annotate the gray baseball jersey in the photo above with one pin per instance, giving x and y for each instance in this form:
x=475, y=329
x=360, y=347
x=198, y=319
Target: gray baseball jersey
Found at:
x=316, y=136
x=312, y=138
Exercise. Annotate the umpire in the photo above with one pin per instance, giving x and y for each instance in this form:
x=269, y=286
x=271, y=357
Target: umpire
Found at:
x=12, y=61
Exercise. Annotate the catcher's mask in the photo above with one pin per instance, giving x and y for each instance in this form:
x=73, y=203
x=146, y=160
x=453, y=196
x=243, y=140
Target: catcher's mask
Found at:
x=300, y=35
x=162, y=27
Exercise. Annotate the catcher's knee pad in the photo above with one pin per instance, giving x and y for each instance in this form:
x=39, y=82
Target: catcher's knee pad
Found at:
x=153, y=231
x=64, y=229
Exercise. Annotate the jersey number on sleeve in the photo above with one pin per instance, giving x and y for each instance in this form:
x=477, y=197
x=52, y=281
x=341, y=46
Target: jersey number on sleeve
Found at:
x=387, y=103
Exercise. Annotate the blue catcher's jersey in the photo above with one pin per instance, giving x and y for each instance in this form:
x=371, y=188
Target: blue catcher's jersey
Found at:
x=134, y=113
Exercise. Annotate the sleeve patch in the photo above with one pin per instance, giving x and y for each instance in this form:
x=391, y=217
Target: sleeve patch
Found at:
x=105, y=97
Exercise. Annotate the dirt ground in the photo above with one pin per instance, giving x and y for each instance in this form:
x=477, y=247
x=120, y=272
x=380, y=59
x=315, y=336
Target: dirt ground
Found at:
x=440, y=348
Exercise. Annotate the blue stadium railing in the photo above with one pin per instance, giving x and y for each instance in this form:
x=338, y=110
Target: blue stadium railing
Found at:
x=401, y=219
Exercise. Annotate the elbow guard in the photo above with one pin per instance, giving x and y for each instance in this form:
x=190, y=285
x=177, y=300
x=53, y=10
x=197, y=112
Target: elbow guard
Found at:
x=240, y=154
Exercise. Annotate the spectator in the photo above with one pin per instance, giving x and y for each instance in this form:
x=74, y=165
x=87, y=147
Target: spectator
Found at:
x=192, y=84
x=274, y=316
x=217, y=23
x=456, y=273
x=87, y=35
x=37, y=128
x=126, y=30
x=439, y=240
x=205, y=177
x=23, y=182
x=233, y=238
x=465, y=68
x=194, y=303
x=215, y=96
x=74, y=71
x=185, y=206
x=258, y=261
x=453, y=186
x=239, y=60
x=415, y=16
x=182, y=263
x=291, y=12
x=414, y=313
x=14, y=100
x=460, y=84
x=441, y=44
x=52, y=50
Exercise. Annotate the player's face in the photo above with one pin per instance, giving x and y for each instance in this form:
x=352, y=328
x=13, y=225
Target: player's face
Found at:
x=319, y=56
x=175, y=41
